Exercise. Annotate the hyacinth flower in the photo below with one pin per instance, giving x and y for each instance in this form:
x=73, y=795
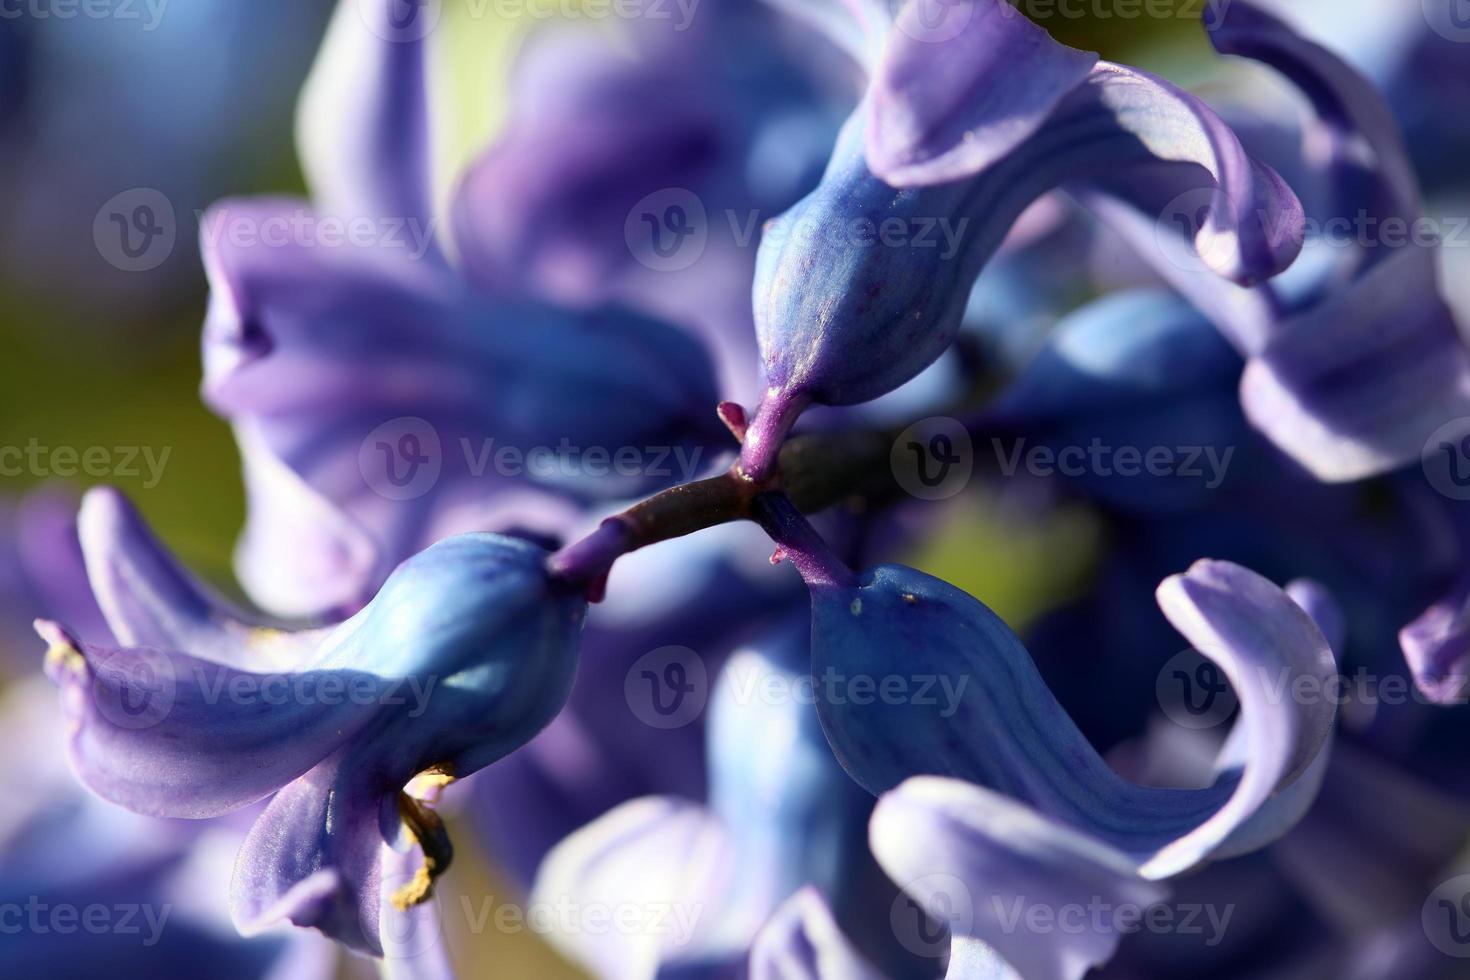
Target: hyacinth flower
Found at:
x=638, y=167
x=373, y=389
x=995, y=790
x=1353, y=358
x=197, y=711
x=781, y=816
x=968, y=121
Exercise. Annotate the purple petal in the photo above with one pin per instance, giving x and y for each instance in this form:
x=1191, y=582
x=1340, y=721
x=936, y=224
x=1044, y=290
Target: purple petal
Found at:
x=1356, y=385
x=977, y=861
x=1436, y=646
x=150, y=600
x=802, y=941
x=991, y=720
x=314, y=857
x=945, y=107
x=1350, y=110
x=168, y=734
x=363, y=129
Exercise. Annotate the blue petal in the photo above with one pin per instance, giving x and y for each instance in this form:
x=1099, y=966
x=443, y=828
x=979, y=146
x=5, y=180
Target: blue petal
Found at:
x=988, y=717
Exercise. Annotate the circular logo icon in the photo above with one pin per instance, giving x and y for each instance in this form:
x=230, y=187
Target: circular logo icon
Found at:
x=401, y=459
x=408, y=933
x=400, y=21
x=1446, y=459
x=933, y=458
x=937, y=21
x=667, y=231
x=927, y=910
x=1450, y=19
x=1194, y=692
x=136, y=230
x=667, y=688
x=134, y=689
x=1446, y=917
x=1186, y=233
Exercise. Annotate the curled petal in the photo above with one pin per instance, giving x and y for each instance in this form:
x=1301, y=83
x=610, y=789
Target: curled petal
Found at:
x=1355, y=386
x=1350, y=110
x=170, y=735
x=150, y=600
x=977, y=860
x=988, y=718
x=802, y=941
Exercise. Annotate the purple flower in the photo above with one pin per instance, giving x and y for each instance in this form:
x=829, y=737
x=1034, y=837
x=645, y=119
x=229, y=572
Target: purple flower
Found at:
x=376, y=394
x=464, y=654
x=969, y=121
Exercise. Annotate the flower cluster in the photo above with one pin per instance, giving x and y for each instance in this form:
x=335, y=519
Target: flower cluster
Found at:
x=519, y=435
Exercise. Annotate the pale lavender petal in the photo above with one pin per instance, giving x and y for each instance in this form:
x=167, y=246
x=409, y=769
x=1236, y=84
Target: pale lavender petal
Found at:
x=654, y=853
x=363, y=126
x=1355, y=386
x=978, y=861
x=802, y=941
x=941, y=110
x=1436, y=646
